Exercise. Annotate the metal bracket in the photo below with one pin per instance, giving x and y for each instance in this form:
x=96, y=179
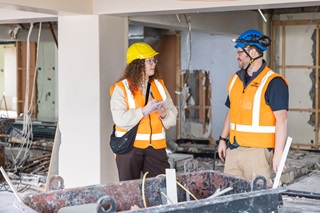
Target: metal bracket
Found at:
x=259, y=183
x=60, y=183
x=106, y=204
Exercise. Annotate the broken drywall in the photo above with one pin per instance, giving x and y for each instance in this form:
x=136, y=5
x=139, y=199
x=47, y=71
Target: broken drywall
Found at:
x=195, y=106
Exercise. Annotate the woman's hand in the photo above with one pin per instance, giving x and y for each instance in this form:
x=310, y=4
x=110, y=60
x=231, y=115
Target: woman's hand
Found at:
x=148, y=106
x=161, y=110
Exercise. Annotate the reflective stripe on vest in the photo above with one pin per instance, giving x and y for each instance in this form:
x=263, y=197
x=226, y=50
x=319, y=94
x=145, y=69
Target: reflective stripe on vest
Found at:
x=254, y=127
x=232, y=82
x=131, y=103
x=164, y=97
x=145, y=137
x=161, y=89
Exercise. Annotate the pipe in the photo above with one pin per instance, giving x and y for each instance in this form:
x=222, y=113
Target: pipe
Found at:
x=296, y=193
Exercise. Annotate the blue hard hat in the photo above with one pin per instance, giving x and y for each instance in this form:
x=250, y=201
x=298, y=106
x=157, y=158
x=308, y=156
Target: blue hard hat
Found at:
x=253, y=37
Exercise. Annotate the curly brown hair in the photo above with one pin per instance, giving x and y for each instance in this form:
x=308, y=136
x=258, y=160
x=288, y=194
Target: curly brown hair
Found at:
x=135, y=73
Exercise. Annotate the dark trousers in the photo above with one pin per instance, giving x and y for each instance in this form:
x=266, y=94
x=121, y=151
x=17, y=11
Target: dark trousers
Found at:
x=131, y=164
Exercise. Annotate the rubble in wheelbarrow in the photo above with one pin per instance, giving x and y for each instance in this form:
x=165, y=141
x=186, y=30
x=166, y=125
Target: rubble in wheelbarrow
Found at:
x=148, y=197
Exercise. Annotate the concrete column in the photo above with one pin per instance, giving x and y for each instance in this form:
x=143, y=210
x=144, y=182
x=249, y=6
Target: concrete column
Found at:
x=91, y=57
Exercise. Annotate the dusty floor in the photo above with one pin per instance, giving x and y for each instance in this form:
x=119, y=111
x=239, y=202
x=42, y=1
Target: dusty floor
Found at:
x=302, y=174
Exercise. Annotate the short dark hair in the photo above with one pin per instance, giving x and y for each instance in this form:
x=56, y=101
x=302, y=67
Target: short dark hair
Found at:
x=260, y=52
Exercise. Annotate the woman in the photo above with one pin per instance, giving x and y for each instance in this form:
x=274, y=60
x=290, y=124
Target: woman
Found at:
x=129, y=107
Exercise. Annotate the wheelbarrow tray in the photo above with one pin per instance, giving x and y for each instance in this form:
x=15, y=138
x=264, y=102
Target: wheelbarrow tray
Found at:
x=201, y=184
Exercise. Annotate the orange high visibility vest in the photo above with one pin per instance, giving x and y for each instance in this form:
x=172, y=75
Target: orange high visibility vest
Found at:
x=150, y=130
x=252, y=121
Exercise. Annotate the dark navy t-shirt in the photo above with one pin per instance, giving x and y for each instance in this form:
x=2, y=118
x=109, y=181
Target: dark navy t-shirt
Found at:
x=277, y=93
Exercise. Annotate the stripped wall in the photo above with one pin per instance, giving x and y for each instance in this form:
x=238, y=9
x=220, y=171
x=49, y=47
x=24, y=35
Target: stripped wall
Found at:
x=1, y=74
x=296, y=48
x=216, y=55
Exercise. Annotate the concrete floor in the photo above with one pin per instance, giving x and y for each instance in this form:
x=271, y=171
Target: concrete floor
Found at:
x=309, y=185
x=8, y=199
x=298, y=176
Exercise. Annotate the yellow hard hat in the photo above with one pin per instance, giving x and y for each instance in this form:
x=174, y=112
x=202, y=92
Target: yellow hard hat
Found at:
x=140, y=50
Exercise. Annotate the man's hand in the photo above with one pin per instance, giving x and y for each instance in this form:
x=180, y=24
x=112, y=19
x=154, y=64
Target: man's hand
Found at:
x=222, y=150
x=276, y=161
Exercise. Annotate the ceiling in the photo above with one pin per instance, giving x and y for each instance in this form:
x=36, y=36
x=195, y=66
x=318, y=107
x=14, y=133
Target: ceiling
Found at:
x=19, y=11
x=18, y=16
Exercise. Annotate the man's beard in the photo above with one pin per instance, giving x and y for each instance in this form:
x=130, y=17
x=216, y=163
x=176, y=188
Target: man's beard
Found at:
x=241, y=65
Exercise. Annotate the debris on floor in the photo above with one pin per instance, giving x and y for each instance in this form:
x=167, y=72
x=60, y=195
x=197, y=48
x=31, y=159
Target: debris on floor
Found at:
x=26, y=160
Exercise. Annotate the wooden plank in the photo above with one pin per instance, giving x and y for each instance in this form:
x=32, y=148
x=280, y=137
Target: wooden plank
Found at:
x=283, y=47
x=178, y=82
x=21, y=77
x=295, y=22
x=296, y=67
x=316, y=132
x=201, y=93
x=301, y=110
x=273, y=46
x=198, y=107
x=178, y=63
x=302, y=144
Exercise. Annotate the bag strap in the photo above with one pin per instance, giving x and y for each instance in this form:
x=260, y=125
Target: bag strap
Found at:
x=147, y=97
x=147, y=94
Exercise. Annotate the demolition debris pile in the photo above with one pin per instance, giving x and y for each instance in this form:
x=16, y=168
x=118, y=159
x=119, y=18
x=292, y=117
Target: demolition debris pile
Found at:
x=26, y=163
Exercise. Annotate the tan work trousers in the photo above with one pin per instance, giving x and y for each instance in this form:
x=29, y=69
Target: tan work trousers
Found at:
x=249, y=162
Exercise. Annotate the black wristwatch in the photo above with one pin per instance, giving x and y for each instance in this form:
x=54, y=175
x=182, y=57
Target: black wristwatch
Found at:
x=222, y=138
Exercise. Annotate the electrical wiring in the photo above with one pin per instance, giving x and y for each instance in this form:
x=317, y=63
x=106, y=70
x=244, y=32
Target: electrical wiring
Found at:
x=36, y=67
x=27, y=135
x=167, y=197
x=28, y=111
x=27, y=128
x=179, y=184
x=143, y=195
x=264, y=18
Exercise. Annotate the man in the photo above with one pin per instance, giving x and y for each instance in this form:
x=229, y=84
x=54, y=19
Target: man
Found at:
x=256, y=122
